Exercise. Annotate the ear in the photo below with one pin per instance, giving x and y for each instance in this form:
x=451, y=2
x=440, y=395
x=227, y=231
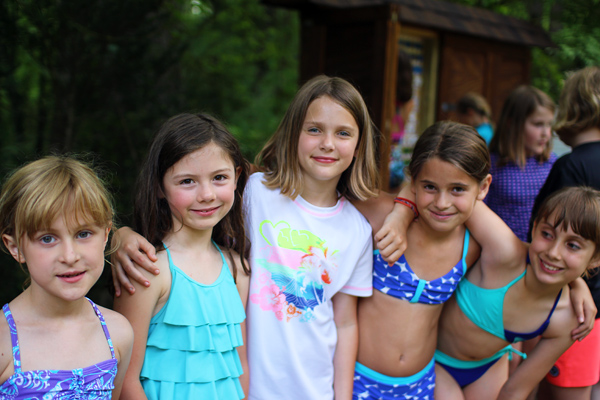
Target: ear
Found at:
x=11, y=245
x=106, y=233
x=484, y=187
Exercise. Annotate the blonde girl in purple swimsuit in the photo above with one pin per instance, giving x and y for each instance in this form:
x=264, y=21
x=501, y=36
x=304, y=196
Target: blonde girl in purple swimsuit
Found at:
x=54, y=342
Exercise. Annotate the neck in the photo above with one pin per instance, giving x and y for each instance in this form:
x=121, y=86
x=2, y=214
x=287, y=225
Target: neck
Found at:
x=320, y=195
x=589, y=135
x=45, y=306
x=192, y=240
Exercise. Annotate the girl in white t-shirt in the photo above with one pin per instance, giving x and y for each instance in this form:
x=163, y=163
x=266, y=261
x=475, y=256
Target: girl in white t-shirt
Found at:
x=311, y=251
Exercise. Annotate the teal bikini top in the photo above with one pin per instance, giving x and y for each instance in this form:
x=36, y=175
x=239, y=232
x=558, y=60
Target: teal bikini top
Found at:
x=485, y=308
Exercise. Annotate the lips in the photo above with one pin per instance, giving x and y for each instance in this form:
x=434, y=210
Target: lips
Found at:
x=325, y=160
x=72, y=277
x=441, y=216
x=548, y=268
x=206, y=212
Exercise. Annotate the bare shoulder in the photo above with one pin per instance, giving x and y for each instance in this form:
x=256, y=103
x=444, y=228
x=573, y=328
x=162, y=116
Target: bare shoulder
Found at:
x=563, y=319
x=119, y=328
x=237, y=264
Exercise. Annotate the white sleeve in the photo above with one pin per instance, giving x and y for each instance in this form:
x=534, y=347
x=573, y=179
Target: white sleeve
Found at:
x=360, y=283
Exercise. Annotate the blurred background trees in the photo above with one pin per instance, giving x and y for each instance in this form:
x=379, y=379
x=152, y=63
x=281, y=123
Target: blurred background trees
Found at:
x=100, y=76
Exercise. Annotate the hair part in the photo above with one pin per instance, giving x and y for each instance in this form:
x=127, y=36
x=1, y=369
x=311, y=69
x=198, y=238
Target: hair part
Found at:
x=179, y=136
x=455, y=143
x=279, y=157
x=509, y=138
x=579, y=104
x=576, y=207
x=39, y=192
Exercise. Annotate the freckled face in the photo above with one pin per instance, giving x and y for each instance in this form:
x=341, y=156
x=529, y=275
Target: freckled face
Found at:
x=327, y=143
x=64, y=260
x=200, y=188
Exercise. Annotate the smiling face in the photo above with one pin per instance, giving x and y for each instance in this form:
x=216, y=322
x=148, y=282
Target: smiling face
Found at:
x=327, y=143
x=64, y=260
x=559, y=256
x=200, y=188
x=445, y=195
x=538, y=131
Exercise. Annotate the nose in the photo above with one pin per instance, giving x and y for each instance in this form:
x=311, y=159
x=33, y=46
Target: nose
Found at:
x=327, y=142
x=547, y=132
x=442, y=200
x=206, y=192
x=70, y=255
x=554, y=250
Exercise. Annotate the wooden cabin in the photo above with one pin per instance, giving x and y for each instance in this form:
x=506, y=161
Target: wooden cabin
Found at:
x=453, y=50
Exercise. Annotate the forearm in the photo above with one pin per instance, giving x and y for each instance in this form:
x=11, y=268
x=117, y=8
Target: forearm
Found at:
x=344, y=361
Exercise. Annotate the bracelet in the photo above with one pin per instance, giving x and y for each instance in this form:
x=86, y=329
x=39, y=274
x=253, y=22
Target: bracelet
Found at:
x=408, y=203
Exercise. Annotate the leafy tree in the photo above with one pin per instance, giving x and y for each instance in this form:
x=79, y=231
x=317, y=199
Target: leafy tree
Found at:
x=100, y=76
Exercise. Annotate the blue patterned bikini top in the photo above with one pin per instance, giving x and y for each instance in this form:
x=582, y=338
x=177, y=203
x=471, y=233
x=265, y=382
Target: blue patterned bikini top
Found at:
x=95, y=382
x=400, y=281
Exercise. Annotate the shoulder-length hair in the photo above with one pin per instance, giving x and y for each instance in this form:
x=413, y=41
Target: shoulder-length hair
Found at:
x=43, y=190
x=179, y=136
x=579, y=104
x=279, y=157
x=509, y=140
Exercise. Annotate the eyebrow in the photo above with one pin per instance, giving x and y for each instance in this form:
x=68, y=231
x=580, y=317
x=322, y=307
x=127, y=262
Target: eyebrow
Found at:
x=461, y=184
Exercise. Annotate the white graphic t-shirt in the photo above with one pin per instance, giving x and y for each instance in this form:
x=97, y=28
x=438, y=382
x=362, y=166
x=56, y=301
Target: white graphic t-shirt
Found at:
x=301, y=256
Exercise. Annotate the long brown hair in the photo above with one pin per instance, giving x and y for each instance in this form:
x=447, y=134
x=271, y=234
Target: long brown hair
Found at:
x=179, y=136
x=509, y=139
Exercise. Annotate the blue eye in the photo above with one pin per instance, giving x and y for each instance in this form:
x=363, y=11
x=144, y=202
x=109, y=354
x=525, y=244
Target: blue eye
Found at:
x=47, y=239
x=84, y=234
x=344, y=133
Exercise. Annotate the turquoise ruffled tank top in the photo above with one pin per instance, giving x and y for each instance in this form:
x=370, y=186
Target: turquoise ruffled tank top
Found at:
x=191, y=349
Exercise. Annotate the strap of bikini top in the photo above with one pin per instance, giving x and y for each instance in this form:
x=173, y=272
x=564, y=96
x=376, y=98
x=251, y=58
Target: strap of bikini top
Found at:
x=465, y=250
x=13, y=338
x=104, y=327
x=554, y=306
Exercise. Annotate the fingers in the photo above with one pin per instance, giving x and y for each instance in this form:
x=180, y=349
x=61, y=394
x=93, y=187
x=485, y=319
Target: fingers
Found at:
x=115, y=281
x=148, y=250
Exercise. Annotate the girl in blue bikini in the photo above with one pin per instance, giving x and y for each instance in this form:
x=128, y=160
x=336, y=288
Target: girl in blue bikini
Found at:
x=54, y=342
x=517, y=292
x=398, y=324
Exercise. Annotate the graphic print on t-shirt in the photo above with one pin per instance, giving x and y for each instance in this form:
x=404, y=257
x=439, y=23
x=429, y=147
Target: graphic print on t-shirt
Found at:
x=294, y=268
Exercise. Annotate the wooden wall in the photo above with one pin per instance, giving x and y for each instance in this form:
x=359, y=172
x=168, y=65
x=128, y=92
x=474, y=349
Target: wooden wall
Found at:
x=489, y=68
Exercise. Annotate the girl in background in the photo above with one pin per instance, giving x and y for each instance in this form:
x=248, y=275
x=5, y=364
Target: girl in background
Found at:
x=189, y=324
x=474, y=110
x=55, y=342
x=521, y=156
x=311, y=249
x=398, y=324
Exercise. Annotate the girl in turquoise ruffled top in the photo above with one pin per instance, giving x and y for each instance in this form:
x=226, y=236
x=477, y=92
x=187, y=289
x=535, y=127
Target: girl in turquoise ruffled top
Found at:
x=189, y=324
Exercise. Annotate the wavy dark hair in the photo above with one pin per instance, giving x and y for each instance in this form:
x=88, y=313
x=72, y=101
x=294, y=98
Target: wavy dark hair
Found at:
x=179, y=136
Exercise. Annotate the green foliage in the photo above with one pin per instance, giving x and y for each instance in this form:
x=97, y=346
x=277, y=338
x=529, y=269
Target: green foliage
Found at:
x=101, y=76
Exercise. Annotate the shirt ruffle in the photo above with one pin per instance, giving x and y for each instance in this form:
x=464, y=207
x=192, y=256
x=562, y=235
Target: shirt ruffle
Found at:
x=191, y=348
